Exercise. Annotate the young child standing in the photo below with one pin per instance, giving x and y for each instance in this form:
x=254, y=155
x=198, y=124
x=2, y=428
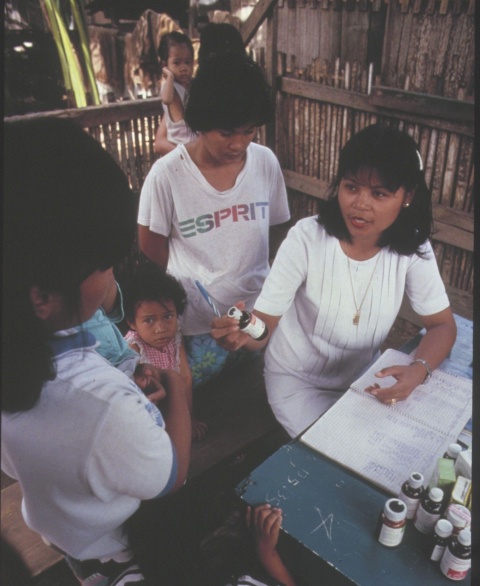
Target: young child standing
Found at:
x=177, y=57
x=154, y=300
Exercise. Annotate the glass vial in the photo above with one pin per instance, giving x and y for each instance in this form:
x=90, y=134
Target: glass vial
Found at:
x=249, y=323
x=452, y=451
x=392, y=522
x=411, y=493
x=440, y=540
x=456, y=560
x=429, y=510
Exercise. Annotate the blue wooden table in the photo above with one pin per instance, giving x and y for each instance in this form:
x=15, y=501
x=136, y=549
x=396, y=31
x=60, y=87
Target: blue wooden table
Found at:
x=330, y=514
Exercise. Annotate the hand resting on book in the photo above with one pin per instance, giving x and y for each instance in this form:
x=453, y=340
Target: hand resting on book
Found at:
x=408, y=378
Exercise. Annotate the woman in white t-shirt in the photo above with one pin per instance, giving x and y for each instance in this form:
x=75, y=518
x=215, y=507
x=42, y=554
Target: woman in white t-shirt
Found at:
x=338, y=281
x=211, y=209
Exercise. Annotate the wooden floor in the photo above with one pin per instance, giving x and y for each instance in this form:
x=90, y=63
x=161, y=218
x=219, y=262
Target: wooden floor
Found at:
x=242, y=433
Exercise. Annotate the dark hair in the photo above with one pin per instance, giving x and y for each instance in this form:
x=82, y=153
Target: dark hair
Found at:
x=217, y=38
x=394, y=156
x=228, y=92
x=171, y=39
x=150, y=283
x=68, y=212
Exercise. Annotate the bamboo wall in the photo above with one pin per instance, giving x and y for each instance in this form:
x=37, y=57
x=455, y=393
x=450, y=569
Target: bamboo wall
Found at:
x=344, y=64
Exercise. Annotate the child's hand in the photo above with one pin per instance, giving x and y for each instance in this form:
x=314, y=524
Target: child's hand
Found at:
x=166, y=74
x=148, y=378
x=265, y=523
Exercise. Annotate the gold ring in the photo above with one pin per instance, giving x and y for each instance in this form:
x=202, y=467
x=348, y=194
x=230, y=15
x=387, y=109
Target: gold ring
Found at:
x=393, y=401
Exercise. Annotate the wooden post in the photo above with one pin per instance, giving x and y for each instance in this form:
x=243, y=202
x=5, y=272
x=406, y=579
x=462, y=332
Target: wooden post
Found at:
x=271, y=57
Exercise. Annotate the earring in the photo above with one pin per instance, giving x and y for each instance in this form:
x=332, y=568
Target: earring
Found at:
x=406, y=205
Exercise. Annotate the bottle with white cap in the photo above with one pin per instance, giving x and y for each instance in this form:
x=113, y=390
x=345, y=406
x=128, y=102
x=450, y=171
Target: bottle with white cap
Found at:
x=249, y=323
x=392, y=522
x=459, y=516
x=411, y=493
x=452, y=451
x=441, y=537
x=457, y=558
x=429, y=510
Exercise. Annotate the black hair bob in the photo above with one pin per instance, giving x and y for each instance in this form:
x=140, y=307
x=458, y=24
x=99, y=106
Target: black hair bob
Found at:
x=394, y=156
x=229, y=91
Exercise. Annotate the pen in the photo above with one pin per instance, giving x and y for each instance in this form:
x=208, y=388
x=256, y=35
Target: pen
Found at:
x=207, y=298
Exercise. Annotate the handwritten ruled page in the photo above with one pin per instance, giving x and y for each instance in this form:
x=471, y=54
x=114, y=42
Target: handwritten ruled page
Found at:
x=385, y=444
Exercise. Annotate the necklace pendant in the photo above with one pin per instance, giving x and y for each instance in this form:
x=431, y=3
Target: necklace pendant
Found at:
x=356, y=319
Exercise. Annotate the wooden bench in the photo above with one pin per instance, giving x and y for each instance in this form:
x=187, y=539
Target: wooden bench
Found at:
x=236, y=410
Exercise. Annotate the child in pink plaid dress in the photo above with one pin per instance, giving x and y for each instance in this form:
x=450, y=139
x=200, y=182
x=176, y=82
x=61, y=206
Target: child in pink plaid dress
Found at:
x=154, y=301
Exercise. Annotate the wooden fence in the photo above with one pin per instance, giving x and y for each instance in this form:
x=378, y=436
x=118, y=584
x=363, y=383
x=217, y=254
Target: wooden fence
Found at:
x=315, y=118
x=339, y=65
x=310, y=134
x=322, y=101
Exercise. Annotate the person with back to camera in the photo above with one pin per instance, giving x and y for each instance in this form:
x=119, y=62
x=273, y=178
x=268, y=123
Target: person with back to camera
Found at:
x=83, y=441
x=214, y=209
x=338, y=281
x=154, y=303
x=177, y=57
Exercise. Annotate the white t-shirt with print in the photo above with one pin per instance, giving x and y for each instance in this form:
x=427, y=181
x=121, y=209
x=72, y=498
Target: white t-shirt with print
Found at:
x=217, y=237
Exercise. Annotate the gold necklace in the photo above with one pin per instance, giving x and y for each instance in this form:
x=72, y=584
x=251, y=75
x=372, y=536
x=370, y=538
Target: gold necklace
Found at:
x=358, y=309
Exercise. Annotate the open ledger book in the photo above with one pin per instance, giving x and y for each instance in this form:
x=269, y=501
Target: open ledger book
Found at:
x=384, y=443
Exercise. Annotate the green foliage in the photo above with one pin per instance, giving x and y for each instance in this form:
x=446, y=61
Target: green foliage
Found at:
x=76, y=66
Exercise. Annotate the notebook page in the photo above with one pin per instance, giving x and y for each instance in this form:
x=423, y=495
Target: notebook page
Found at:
x=443, y=402
x=384, y=447
x=384, y=444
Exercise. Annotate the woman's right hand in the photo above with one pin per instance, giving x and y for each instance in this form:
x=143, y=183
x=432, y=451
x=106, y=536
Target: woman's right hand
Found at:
x=226, y=331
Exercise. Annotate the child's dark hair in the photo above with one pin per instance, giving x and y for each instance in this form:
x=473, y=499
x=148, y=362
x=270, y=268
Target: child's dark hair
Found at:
x=394, y=156
x=69, y=212
x=150, y=283
x=229, y=91
x=219, y=37
x=171, y=39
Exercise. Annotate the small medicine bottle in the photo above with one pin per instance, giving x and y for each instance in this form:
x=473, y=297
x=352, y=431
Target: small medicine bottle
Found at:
x=441, y=537
x=249, y=323
x=456, y=559
x=429, y=510
x=411, y=493
x=392, y=522
x=452, y=451
x=459, y=516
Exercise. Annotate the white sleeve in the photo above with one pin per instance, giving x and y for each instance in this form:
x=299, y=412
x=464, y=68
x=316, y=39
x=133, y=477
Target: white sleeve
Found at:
x=155, y=209
x=424, y=285
x=279, y=210
x=288, y=272
x=132, y=454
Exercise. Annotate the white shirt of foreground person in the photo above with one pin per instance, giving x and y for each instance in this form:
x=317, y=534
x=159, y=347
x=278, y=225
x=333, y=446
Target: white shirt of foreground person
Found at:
x=316, y=346
x=87, y=453
x=218, y=237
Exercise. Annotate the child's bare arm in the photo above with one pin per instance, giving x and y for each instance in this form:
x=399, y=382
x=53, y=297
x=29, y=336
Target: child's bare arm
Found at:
x=162, y=145
x=264, y=522
x=167, y=89
x=178, y=422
